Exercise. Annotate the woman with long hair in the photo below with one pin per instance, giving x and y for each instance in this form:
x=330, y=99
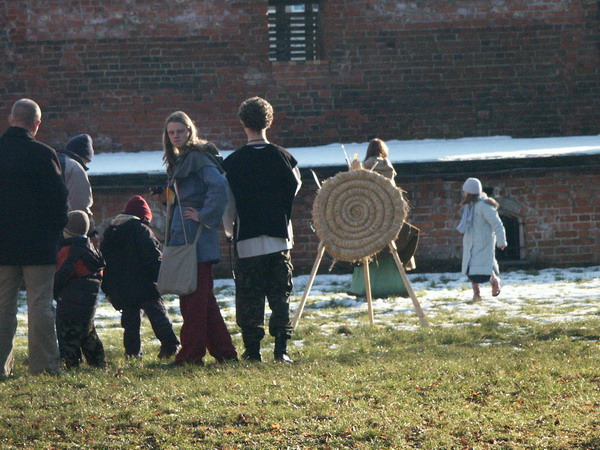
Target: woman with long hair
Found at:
x=385, y=278
x=377, y=159
x=196, y=180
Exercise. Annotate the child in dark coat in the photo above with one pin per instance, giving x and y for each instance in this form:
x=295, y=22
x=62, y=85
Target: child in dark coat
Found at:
x=76, y=285
x=132, y=263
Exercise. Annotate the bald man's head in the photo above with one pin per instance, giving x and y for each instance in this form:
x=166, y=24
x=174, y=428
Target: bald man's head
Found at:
x=26, y=114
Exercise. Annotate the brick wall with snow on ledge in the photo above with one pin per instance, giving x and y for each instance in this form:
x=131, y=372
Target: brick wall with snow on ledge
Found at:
x=549, y=206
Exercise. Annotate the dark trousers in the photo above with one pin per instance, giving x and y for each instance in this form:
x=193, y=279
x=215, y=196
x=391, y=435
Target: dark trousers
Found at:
x=131, y=320
x=77, y=335
x=203, y=325
x=258, y=277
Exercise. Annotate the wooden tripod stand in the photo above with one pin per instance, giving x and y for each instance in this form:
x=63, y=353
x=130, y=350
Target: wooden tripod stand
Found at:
x=394, y=251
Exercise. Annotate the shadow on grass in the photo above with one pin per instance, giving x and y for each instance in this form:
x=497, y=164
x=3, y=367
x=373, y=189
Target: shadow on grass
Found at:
x=573, y=332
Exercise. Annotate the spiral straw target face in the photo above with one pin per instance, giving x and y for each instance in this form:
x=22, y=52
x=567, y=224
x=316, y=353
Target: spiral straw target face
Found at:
x=358, y=213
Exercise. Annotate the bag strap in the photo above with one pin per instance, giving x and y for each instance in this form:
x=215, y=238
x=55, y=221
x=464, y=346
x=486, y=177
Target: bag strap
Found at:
x=200, y=226
x=180, y=211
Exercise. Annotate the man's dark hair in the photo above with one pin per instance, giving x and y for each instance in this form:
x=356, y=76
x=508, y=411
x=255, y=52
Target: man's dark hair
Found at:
x=256, y=113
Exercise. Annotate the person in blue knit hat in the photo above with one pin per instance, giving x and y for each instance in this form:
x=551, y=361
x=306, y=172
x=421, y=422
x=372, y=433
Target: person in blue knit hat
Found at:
x=74, y=158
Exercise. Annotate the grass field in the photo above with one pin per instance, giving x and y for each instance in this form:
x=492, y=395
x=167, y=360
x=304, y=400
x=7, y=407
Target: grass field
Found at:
x=494, y=379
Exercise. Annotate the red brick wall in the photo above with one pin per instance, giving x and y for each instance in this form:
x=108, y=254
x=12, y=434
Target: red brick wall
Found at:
x=554, y=199
x=404, y=70
x=557, y=208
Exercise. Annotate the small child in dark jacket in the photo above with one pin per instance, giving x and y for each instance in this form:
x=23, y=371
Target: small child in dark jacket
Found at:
x=132, y=263
x=76, y=285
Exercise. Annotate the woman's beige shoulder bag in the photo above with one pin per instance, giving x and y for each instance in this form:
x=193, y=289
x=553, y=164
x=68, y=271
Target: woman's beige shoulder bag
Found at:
x=179, y=267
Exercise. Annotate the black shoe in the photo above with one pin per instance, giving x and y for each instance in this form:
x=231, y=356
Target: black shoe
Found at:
x=252, y=349
x=253, y=356
x=281, y=354
x=166, y=353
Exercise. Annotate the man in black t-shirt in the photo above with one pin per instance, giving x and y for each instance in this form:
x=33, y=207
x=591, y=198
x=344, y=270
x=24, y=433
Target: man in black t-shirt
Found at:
x=264, y=179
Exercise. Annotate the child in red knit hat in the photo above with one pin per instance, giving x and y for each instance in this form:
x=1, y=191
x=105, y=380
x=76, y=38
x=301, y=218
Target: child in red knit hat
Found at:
x=133, y=260
x=137, y=206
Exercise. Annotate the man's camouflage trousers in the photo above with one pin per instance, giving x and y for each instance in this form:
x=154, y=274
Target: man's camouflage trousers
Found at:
x=259, y=277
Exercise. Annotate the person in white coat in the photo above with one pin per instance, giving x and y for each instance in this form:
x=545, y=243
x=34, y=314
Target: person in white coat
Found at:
x=482, y=231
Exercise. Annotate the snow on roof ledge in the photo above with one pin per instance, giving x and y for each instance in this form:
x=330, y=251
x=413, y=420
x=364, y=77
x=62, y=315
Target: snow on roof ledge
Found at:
x=427, y=150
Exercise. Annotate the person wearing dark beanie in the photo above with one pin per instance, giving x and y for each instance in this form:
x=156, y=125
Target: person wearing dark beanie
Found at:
x=73, y=159
x=133, y=258
x=137, y=206
x=81, y=146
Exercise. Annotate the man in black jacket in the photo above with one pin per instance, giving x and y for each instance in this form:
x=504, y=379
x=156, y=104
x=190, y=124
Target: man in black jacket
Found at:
x=33, y=212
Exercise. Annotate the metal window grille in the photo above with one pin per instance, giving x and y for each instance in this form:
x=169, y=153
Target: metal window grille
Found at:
x=293, y=30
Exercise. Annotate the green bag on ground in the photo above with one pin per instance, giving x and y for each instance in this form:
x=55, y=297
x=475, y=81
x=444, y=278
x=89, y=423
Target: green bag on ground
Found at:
x=385, y=279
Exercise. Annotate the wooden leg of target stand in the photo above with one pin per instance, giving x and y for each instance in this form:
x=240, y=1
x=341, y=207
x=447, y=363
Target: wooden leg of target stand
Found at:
x=409, y=288
x=311, y=279
x=368, y=290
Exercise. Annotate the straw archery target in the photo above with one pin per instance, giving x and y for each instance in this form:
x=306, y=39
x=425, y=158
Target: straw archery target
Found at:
x=358, y=213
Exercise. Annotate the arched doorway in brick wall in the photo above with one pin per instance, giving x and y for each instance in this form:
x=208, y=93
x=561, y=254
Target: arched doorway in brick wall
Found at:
x=513, y=228
x=510, y=214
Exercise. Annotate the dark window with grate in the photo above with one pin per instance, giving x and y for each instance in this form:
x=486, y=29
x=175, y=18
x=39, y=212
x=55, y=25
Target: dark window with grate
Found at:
x=293, y=30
